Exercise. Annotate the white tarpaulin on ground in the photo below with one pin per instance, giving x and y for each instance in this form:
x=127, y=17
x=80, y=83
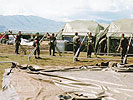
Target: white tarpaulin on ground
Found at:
x=107, y=85
x=20, y=85
x=103, y=84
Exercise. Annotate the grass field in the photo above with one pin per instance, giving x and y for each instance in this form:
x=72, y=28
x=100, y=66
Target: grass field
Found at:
x=7, y=54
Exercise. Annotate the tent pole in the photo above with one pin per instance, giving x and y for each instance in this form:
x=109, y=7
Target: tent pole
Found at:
x=108, y=45
x=3, y=36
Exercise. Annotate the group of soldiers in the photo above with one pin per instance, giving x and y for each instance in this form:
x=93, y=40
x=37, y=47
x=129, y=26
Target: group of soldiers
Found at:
x=90, y=46
x=36, y=44
x=76, y=45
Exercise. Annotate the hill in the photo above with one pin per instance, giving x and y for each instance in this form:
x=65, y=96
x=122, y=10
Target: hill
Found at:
x=28, y=23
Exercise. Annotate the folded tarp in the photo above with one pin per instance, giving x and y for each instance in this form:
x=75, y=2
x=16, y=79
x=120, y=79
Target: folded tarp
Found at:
x=84, y=83
x=20, y=85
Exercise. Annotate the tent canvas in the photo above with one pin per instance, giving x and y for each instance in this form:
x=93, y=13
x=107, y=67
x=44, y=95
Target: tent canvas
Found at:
x=120, y=26
x=80, y=26
x=114, y=31
x=105, y=25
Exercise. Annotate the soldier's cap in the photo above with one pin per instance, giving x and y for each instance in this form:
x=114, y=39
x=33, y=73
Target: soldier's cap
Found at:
x=89, y=33
x=37, y=33
x=76, y=33
x=122, y=34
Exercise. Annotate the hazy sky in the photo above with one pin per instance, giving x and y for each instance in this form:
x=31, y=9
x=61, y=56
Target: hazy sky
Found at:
x=67, y=10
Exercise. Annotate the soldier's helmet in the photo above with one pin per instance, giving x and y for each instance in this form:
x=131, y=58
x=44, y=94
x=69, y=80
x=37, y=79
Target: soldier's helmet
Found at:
x=122, y=35
x=37, y=33
x=76, y=33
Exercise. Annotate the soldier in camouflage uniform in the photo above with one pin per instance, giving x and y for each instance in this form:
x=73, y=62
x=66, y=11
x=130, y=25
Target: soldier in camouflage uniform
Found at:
x=76, y=45
x=17, y=42
x=123, y=47
x=52, y=44
x=90, y=45
x=37, y=44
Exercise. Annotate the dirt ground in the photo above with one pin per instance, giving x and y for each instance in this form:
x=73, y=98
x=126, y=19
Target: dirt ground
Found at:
x=66, y=60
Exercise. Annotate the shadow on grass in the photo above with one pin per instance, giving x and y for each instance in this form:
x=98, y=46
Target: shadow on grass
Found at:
x=3, y=56
x=44, y=59
x=82, y=61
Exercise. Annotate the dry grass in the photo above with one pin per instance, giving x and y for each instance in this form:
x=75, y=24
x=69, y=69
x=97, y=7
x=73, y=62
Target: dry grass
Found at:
x=54, y=62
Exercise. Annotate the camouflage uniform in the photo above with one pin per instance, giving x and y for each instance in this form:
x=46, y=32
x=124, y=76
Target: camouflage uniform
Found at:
x=123, y=45
x=76, y=45
x=37, y=44
x=90, y=45
x=52, y=45
x=17, y=43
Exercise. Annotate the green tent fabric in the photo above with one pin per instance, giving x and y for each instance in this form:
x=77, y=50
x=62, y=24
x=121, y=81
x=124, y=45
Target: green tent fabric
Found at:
x=114, y=30
x=99, y=38
x=105, y=25
x=81, y=26
x=120, y=26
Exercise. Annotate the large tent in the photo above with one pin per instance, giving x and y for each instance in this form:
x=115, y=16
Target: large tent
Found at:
x=105, y=25
x=118, y=27
x=80, y=26
x=113, y=33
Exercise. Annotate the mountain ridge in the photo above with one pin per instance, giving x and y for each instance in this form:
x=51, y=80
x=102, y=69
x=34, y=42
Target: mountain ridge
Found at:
x=28, y=23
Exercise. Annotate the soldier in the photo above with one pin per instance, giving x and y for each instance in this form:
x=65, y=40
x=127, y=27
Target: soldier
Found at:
x=37, y=44
x=52, y=44
x=90, y=45
x=17, y=42
x=76, y=45
x=123, y=46
x=31, y=37
x=48, y=36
